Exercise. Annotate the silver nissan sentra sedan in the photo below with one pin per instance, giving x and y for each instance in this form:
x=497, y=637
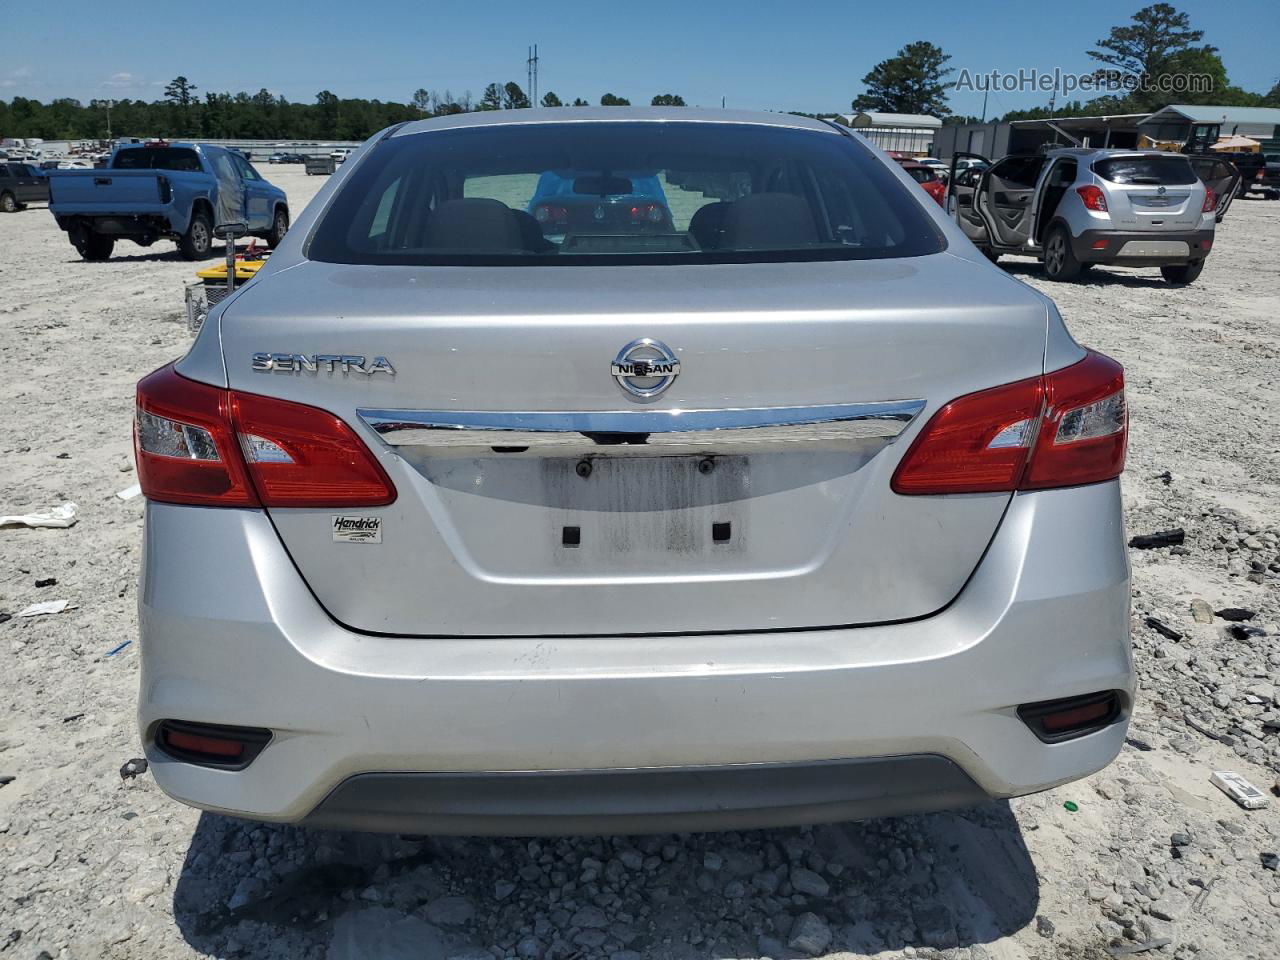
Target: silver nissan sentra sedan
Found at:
x=579, y=471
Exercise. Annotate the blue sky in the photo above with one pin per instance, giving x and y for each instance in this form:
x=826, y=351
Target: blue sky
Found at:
x=759, y=55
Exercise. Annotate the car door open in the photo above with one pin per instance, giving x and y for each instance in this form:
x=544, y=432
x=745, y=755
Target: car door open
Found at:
x=961, y=186
x=1004, y=199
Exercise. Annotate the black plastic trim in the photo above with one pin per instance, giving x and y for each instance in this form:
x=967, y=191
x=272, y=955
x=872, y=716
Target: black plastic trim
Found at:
x=646, y=800
x=1082, y=246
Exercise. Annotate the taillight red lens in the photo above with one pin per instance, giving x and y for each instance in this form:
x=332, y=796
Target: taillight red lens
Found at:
x=302, y=456
x=199, y=444
x=194, y=743
x=975, y=444
x=1063, y=429
x=1093, y=197
x=1210, y=201
x=547, y=213
x=184, y=446
x=650, y=212
x=1085, y=429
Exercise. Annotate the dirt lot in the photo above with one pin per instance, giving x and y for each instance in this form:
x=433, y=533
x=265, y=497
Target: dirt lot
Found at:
x=94, y=866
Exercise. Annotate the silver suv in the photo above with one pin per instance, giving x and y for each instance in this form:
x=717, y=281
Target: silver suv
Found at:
x=628, y=470
x=1074, y=208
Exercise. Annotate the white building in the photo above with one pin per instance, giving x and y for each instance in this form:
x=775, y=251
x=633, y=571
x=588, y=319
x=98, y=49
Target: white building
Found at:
x=911, y=133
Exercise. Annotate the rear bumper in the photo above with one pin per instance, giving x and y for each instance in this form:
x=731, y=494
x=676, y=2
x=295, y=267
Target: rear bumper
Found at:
x=557, y=735
x=737, y=797
x=148, y=224
x=1147, y=248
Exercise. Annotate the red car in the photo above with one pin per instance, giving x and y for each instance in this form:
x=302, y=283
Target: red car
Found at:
x=928, y=178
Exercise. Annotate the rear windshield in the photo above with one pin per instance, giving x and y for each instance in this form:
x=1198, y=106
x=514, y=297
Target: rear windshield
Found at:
x=621, y=192
x=921, y=174
x=157, y=158
x=1137, y=170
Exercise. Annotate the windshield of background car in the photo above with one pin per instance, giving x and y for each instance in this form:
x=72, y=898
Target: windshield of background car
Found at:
x=157, y=158
x=1166, y=171
x=609, y=192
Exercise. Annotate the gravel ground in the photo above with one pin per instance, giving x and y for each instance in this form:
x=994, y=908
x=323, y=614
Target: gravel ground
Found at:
x=96, y=866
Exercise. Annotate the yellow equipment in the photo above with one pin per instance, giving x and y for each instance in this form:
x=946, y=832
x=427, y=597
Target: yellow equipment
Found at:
x=211, y=284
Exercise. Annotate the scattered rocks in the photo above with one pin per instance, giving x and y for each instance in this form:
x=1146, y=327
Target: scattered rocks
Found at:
x=450, y=911
x=807, y=882
x=133, y=768
x=1162, y=628
x=1235, y=614
x=591, y=918
x=810, y=934
x=1153, y=541
x=1242, y=631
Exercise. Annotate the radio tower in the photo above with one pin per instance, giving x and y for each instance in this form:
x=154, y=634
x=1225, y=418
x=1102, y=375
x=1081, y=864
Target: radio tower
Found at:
x=532, y=66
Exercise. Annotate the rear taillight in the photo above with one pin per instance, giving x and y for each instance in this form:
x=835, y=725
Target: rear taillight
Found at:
x=1085, y=427
x=302, y=456
x=1210, y=201
x=166, y=189
x=650, y=212
x=184, y=444
x=198, y=444
x=1062, y=429
x=551, y=213
x=1093, y=197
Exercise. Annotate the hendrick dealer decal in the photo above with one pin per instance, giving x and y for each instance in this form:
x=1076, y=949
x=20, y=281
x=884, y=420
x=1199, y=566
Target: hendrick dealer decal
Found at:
x=357, y=529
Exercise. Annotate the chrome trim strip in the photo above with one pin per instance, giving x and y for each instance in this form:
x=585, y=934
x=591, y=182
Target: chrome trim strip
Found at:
x=841, y=422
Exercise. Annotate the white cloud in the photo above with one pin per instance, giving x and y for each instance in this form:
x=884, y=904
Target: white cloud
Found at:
x=16, y=77
x=121, y=80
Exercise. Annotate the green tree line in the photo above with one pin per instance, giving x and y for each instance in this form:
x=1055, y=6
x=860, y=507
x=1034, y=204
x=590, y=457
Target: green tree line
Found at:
x=185, y=113
x=1140, y=58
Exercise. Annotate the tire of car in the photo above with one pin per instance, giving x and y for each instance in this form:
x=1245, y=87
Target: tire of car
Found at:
x=197, y=242
x=1183, y=272
x=1060, y=261
x=8, y=203
x=279, y=226
x=96, y=247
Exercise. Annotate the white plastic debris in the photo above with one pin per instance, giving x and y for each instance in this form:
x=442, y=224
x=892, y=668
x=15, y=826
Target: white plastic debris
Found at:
x=45, y=607
x=1239, y=789
x=60, y=516
x=128, y=493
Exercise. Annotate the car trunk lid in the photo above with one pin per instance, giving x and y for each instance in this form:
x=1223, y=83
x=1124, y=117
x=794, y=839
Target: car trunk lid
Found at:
x=1151, y=192
x=591, y=511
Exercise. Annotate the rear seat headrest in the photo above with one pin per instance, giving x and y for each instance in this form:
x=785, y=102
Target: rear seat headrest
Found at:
x=765, y=221
x=474, y=225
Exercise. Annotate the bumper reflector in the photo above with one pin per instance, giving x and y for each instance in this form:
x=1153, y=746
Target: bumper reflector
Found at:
x=1056, y=720
x=211, y=745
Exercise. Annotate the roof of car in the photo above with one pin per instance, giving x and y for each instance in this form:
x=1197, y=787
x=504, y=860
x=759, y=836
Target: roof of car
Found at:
x=1108, y=152
x=487, y=118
